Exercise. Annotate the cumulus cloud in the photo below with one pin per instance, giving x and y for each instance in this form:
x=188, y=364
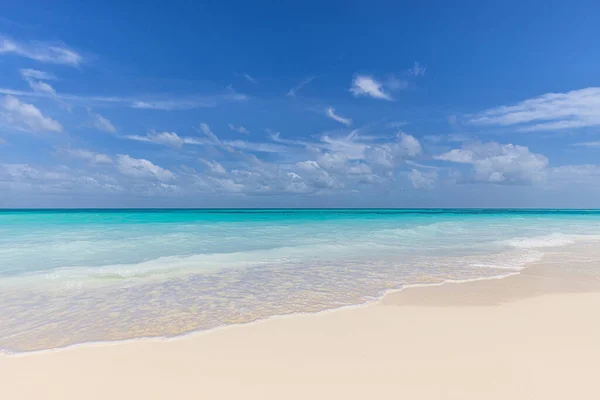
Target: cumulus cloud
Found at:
x=292, y=92
x=551, y=111
x=41, y=51
x=331, y=114
x=239, y=129
x=422, y=179
x=19, y=115
x=364, y=85
x=140, y=168
x=497, y=163
x=388, y=154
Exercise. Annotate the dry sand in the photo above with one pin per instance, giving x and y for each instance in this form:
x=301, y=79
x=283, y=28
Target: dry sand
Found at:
x=532, y=336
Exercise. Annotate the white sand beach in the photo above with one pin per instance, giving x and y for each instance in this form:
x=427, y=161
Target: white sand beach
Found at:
x=531, y=336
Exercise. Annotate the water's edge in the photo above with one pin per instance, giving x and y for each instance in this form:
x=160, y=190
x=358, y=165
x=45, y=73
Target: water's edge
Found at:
x=186, y=335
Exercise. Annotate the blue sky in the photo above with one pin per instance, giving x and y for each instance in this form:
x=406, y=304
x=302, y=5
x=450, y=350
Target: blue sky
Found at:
x=314, y=104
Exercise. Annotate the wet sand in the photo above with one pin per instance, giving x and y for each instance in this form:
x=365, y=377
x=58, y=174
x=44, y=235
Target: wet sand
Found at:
x=529, y=336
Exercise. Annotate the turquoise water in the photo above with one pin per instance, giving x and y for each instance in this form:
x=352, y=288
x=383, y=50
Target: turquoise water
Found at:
x=74, y=276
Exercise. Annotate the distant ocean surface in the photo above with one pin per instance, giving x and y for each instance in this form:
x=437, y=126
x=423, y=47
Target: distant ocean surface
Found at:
x=75, y=276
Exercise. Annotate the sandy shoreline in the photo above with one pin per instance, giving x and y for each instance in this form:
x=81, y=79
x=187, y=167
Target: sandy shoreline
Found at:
x=529, y=336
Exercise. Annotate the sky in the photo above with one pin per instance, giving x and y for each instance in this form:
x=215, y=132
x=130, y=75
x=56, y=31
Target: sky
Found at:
x=299, y=104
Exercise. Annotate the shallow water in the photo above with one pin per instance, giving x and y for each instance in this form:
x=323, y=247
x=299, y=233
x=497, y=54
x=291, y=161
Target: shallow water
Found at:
x=73, y=276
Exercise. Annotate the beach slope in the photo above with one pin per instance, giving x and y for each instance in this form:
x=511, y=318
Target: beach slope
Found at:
x=516, y=338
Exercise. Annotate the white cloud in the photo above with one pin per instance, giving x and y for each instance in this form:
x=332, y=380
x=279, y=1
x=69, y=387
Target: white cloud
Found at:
x=35, y=79
x=588, y=144
x=102, y=124
x=239, y=129
x=184, y=103
x=140, y=168
x=452, y=137
x=17, y=114
x=293, y=91
x=417, y=69
x=214, y=167
x=89, y=156
x=256, y=146
x=205, y=129
x=387, y=155
x=60, y=179
x=586, y=174
x=42, y=87
x=363, y=85
x=312, y=173
x=331, y=114
x=41, y=51
x=168, y=105
x=249, y=78
x=497, y=163
x=551, y=111
x=422, y=179
x=166, y=102
x=408, y=145
x=170, y=139
x=36, y=74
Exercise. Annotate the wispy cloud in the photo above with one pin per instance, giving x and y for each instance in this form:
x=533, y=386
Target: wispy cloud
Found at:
x=364, y=85
x=395, y=84
x=87, y=155
x=170, y=139
x=256, y=146
x=168, y=105
x=214, y=167
x=239, y=129
x=35, y=79
x=548, y=112
x=46, y=52
x=101, y=123
x=19, y=115
x=417, y=69
x=452, y=137
x=588, y=144
x=205, y=129
x=248, y=78
x=36, y=74
x=331, y=114
x=293, y=91
x=140, y=168
x=163, y=102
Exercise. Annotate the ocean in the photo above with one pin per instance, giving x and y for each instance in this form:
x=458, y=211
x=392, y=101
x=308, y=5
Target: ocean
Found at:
x=75, y=276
